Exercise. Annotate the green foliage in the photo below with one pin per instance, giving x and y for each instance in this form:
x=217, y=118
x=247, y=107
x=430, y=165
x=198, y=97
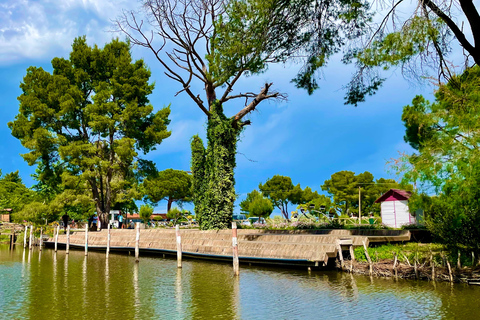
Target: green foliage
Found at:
x=344, y=187
x=213, y=172
x=445, y=134
x=260, y=207
x=176, y=215
x=145, y=212
x=256, y=205
x=280, y=190
x=171, y=185
x=14, y=194
x=85, y=123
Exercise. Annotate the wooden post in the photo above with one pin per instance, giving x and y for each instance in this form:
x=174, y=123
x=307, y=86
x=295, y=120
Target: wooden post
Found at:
x=368, y=257
x=41, y=238
x=415, y=268
x=56, y=237
x=395, y=264
x=86, y=239
x=68, y=240
x=108, y=241
x=179, y=246
x=12, y=239
x=433, y=267
x=459, y=262
x=31, y=238
x=473, y=259
x=340, y=254
x=236, y=267
x=137, y=242
x=352, y=253
x=449, y=271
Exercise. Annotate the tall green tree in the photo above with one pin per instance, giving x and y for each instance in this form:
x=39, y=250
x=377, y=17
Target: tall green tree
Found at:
x=446, y=136
x=281, y=191
x=256, y=205
x=215, y=43
x=171, y=185
x=345, y=187
x=14, y=194
x=445, y=133
x=88, y=121
x=145, y=213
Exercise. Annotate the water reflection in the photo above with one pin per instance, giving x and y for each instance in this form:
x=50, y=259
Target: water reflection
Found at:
x=60, y=286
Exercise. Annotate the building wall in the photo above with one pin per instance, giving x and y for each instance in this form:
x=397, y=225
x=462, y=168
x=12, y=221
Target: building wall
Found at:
x=395, y=213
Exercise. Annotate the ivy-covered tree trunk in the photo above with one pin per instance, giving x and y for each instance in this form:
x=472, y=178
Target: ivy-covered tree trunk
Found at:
x=213, y=171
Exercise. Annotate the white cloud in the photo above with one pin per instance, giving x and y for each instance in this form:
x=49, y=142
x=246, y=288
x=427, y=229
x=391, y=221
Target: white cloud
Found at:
x=35, y=30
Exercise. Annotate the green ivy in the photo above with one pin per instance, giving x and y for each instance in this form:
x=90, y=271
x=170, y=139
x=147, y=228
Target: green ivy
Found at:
x=213, y=171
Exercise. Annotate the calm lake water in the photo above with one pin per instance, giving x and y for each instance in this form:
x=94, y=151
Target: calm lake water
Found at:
x=45, y=285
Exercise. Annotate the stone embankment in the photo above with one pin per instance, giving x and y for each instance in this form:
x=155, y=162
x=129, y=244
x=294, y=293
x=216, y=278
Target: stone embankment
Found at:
x=285, y=247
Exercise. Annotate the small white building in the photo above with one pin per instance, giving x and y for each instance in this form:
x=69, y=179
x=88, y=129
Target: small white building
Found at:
x=394, y=208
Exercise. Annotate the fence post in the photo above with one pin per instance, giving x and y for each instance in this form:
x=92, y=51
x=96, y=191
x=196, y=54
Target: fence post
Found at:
x=68, y=240
x=31, y=237
x=137, y=242
x=108, y=240
x=86, y=239
x=236, y=268
x=179, y=246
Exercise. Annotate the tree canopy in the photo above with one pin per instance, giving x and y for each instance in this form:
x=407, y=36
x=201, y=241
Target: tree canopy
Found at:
x=445, y=133
x=446, y=136
x=13, y=192
x=87, y=122
x=256, y=205
x=419, y=39
x=281, y=191
x=171, y=185
x=344, y=187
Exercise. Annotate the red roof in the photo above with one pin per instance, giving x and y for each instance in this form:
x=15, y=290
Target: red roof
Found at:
x=394, y=195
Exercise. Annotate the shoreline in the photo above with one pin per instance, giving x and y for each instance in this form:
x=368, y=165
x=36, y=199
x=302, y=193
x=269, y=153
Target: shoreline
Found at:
x=430, y=272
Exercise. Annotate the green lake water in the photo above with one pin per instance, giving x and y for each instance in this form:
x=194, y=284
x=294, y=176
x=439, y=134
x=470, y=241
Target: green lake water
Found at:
x=49, y=285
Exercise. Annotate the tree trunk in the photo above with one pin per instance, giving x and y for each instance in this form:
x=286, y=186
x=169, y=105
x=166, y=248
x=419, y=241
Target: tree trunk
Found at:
x=213, y=171
x=169, y=204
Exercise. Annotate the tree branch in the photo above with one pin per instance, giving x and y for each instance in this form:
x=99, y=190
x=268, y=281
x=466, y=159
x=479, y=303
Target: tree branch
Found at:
x=263, y=95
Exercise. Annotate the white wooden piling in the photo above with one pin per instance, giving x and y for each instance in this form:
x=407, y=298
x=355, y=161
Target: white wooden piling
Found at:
x=56, y=237
x=68, y=240
x=86, y=239
x=31, y=238
x=41, y=238
x=179, y=246
x=25, y=237
x=108, y=240
x=236, y=268
x=137, y=242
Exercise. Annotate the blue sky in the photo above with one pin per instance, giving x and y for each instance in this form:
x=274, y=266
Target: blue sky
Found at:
x=307, y=138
